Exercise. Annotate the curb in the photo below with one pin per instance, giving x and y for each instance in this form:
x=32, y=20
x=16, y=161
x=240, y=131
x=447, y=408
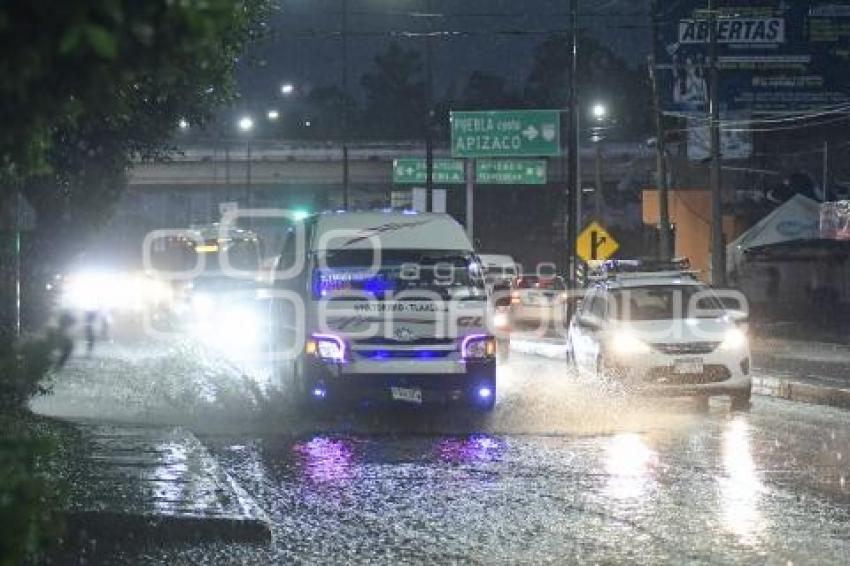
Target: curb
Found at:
x=778, y=387
x=129, y=528
x=125, y=495
x=801, y=392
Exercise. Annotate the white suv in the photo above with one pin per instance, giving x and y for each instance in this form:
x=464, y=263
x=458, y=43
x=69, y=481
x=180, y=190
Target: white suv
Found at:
x=665, y=334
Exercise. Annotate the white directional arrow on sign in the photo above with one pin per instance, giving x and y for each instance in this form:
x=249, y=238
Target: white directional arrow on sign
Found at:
x=530, y=133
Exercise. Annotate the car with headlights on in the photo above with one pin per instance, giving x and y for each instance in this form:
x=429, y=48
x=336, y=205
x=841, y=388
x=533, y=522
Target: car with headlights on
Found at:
x=663, y=333
x=500, y=273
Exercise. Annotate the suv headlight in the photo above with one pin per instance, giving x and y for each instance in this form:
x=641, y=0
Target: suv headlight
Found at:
x=735, y=339
x=327, y=347
x=625, y=342
x=478, y=346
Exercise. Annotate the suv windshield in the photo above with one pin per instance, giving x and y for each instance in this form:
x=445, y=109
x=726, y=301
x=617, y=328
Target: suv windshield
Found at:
x=663, y=302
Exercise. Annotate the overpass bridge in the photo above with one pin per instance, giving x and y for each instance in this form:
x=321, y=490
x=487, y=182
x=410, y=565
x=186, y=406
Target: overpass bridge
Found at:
x=186, y=187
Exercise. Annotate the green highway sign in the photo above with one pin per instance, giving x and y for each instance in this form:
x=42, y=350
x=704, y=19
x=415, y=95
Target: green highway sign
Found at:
x=510, y=171
x=413, y=171
x=508, y=133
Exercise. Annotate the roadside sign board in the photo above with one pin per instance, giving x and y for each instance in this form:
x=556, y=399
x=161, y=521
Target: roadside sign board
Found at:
x=510, y=171
x=413, y=171
x=594, y=243
x=505, y=133
x=773, y=56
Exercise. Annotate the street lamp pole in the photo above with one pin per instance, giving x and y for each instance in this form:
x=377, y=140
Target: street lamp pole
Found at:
x=718, y=251
x=345, y=117
x=246, y=125
x=572, y=152
x=600, y=114
x=665, y=232
x=429, y=117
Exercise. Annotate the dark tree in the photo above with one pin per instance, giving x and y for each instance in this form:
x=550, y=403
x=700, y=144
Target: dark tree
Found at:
x=395, y=95
x=328, y=110
x=601, y=76
x=89, y=87
x=489, y=92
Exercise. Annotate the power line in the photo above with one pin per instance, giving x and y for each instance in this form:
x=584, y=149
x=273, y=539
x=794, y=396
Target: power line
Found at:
x=766, y=129
x=461, y=15
x=330, y=34
x=781, y=128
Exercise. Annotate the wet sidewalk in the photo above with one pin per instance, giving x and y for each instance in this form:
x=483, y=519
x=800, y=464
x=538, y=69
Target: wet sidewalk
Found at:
x=150, y=485
x=804, y=371
x=821, y=361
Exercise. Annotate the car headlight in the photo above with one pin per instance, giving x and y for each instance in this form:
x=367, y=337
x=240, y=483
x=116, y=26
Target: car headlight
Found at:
x=327, y=347
x=478, y=346
x=735, y=339
x=625, y=342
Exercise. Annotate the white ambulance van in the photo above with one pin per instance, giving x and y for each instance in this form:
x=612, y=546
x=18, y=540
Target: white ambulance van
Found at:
x=393, y=309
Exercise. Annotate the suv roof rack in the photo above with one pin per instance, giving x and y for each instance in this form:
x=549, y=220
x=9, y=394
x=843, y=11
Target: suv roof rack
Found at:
x=635, y=268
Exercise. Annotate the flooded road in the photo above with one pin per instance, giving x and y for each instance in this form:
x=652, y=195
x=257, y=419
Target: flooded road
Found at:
x=564, y=470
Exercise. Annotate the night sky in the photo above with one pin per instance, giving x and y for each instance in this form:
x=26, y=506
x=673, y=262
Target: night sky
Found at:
x=496, y=36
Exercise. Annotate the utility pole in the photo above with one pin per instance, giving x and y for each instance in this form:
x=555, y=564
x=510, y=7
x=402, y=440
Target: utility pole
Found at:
x=429, y=117
x=345, y=117
x=665, y=239
x=718, y=256
x=227, y=169
x=248, y=198
x=598, y=198
x=18, y=206
x=470, y=197
x=825, y=182
x=579, y=205
x=572, y=152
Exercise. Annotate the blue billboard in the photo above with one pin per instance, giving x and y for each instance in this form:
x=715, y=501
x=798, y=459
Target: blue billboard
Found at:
x=773, y=55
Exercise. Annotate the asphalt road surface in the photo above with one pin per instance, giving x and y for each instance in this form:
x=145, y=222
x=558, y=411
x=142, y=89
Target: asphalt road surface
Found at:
x=564, y=470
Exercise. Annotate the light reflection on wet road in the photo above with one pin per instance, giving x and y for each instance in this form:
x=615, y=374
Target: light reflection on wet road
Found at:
x=597, y=481
x=564, y=470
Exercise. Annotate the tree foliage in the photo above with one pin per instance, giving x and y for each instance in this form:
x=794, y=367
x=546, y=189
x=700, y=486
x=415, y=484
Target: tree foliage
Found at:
x=487, y=91
x=602, y=76
x=90, y=85
x=67, y=64
x=395, y=95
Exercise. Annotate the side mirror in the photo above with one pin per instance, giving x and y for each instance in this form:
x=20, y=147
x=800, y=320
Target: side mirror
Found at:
x=738, y=316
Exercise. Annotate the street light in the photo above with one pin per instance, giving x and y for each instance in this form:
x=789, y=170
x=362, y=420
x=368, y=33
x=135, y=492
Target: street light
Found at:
x=287, y=88
x=273, y=115
x=246, y=124
x=600, y=112
x=183, y=124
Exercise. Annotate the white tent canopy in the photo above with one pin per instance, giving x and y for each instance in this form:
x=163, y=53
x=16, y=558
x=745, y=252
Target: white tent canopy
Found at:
x=797, y=219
